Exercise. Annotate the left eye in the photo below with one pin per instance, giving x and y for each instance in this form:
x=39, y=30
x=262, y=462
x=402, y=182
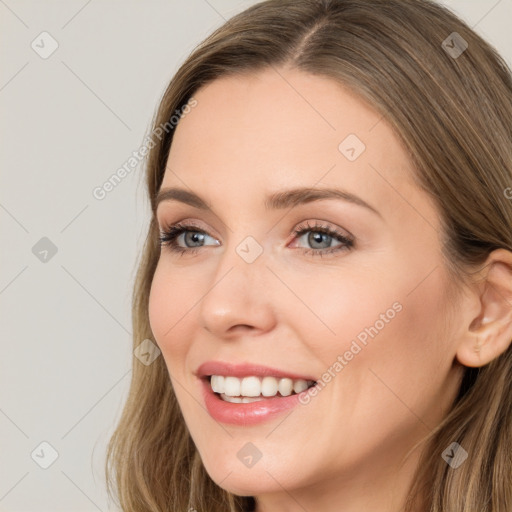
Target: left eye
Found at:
x=318, y=234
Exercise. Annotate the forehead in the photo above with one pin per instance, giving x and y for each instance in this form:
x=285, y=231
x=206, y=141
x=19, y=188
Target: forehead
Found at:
x=276, y=110
x=277, y=129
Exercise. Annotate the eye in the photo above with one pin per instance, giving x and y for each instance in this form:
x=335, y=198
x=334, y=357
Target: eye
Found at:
x=323, y=235
x=192, y=235
x=193, y=238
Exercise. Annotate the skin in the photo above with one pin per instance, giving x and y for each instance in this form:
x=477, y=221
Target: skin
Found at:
x=253, y=135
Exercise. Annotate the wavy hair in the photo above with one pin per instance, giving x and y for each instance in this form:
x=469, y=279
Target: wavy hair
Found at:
x=453, y=114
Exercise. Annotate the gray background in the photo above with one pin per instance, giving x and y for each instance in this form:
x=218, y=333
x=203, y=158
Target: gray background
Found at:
x=68, y=122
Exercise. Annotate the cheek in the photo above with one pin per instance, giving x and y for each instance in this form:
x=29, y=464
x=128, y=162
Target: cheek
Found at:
x=333, y=310
x=170, y=301
x=373, y=322
x=407, y=364
x=395, y=357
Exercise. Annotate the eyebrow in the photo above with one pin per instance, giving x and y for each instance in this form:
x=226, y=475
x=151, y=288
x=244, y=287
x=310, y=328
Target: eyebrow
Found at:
x=275, y=201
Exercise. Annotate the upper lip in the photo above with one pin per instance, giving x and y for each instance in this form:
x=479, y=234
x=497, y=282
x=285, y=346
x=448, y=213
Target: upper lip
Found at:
x=246, y=370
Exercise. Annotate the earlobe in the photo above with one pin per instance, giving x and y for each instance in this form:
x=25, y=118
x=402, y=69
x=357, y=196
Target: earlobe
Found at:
x=490, y=333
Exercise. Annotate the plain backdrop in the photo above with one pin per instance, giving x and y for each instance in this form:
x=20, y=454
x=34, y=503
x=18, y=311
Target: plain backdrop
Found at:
x=69, y=119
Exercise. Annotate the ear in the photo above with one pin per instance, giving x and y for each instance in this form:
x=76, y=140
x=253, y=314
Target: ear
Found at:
x=490, y=332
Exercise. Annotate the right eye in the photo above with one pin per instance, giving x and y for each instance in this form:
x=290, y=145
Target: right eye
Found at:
x=192, y=234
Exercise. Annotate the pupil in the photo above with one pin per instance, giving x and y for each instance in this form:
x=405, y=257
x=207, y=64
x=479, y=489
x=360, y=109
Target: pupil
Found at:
x=194, y=236
x=317, y=237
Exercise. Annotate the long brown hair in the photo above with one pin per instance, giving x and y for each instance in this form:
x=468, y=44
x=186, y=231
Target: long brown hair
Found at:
x=451, y=106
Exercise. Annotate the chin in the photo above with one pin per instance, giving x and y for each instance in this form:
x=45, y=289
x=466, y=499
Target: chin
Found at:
x=246, y=483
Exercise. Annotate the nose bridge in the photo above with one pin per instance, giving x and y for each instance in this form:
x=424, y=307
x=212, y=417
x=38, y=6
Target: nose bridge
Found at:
x=236, y=294
x=244, y=258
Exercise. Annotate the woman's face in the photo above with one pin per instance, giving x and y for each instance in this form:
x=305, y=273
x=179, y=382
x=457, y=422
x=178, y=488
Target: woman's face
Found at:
x=364, y=318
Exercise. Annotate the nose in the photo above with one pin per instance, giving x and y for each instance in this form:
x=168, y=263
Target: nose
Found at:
x=238, y=298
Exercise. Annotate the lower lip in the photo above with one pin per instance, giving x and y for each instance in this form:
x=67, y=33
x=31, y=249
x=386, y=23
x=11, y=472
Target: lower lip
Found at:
x=246, y=414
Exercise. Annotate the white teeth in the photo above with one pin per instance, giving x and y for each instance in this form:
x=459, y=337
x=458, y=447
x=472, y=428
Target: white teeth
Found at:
x=217, y=383
x=269, y=386
x=285, y=387
x=250, y=386
x=239, y=399
x=252, y=389
x=231, y=386
x=299, y=386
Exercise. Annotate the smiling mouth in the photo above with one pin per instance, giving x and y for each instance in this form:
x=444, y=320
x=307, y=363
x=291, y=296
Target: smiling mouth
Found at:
x=254, y=389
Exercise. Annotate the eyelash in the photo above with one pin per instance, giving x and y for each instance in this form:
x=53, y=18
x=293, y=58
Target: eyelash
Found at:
x=169, y=235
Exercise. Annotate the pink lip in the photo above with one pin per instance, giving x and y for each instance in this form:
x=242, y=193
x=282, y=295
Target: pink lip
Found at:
x=251, y=413
x=246, y=414
x=245, y=370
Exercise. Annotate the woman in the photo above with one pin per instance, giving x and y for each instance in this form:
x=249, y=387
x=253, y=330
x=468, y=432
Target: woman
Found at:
x=374, y=134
